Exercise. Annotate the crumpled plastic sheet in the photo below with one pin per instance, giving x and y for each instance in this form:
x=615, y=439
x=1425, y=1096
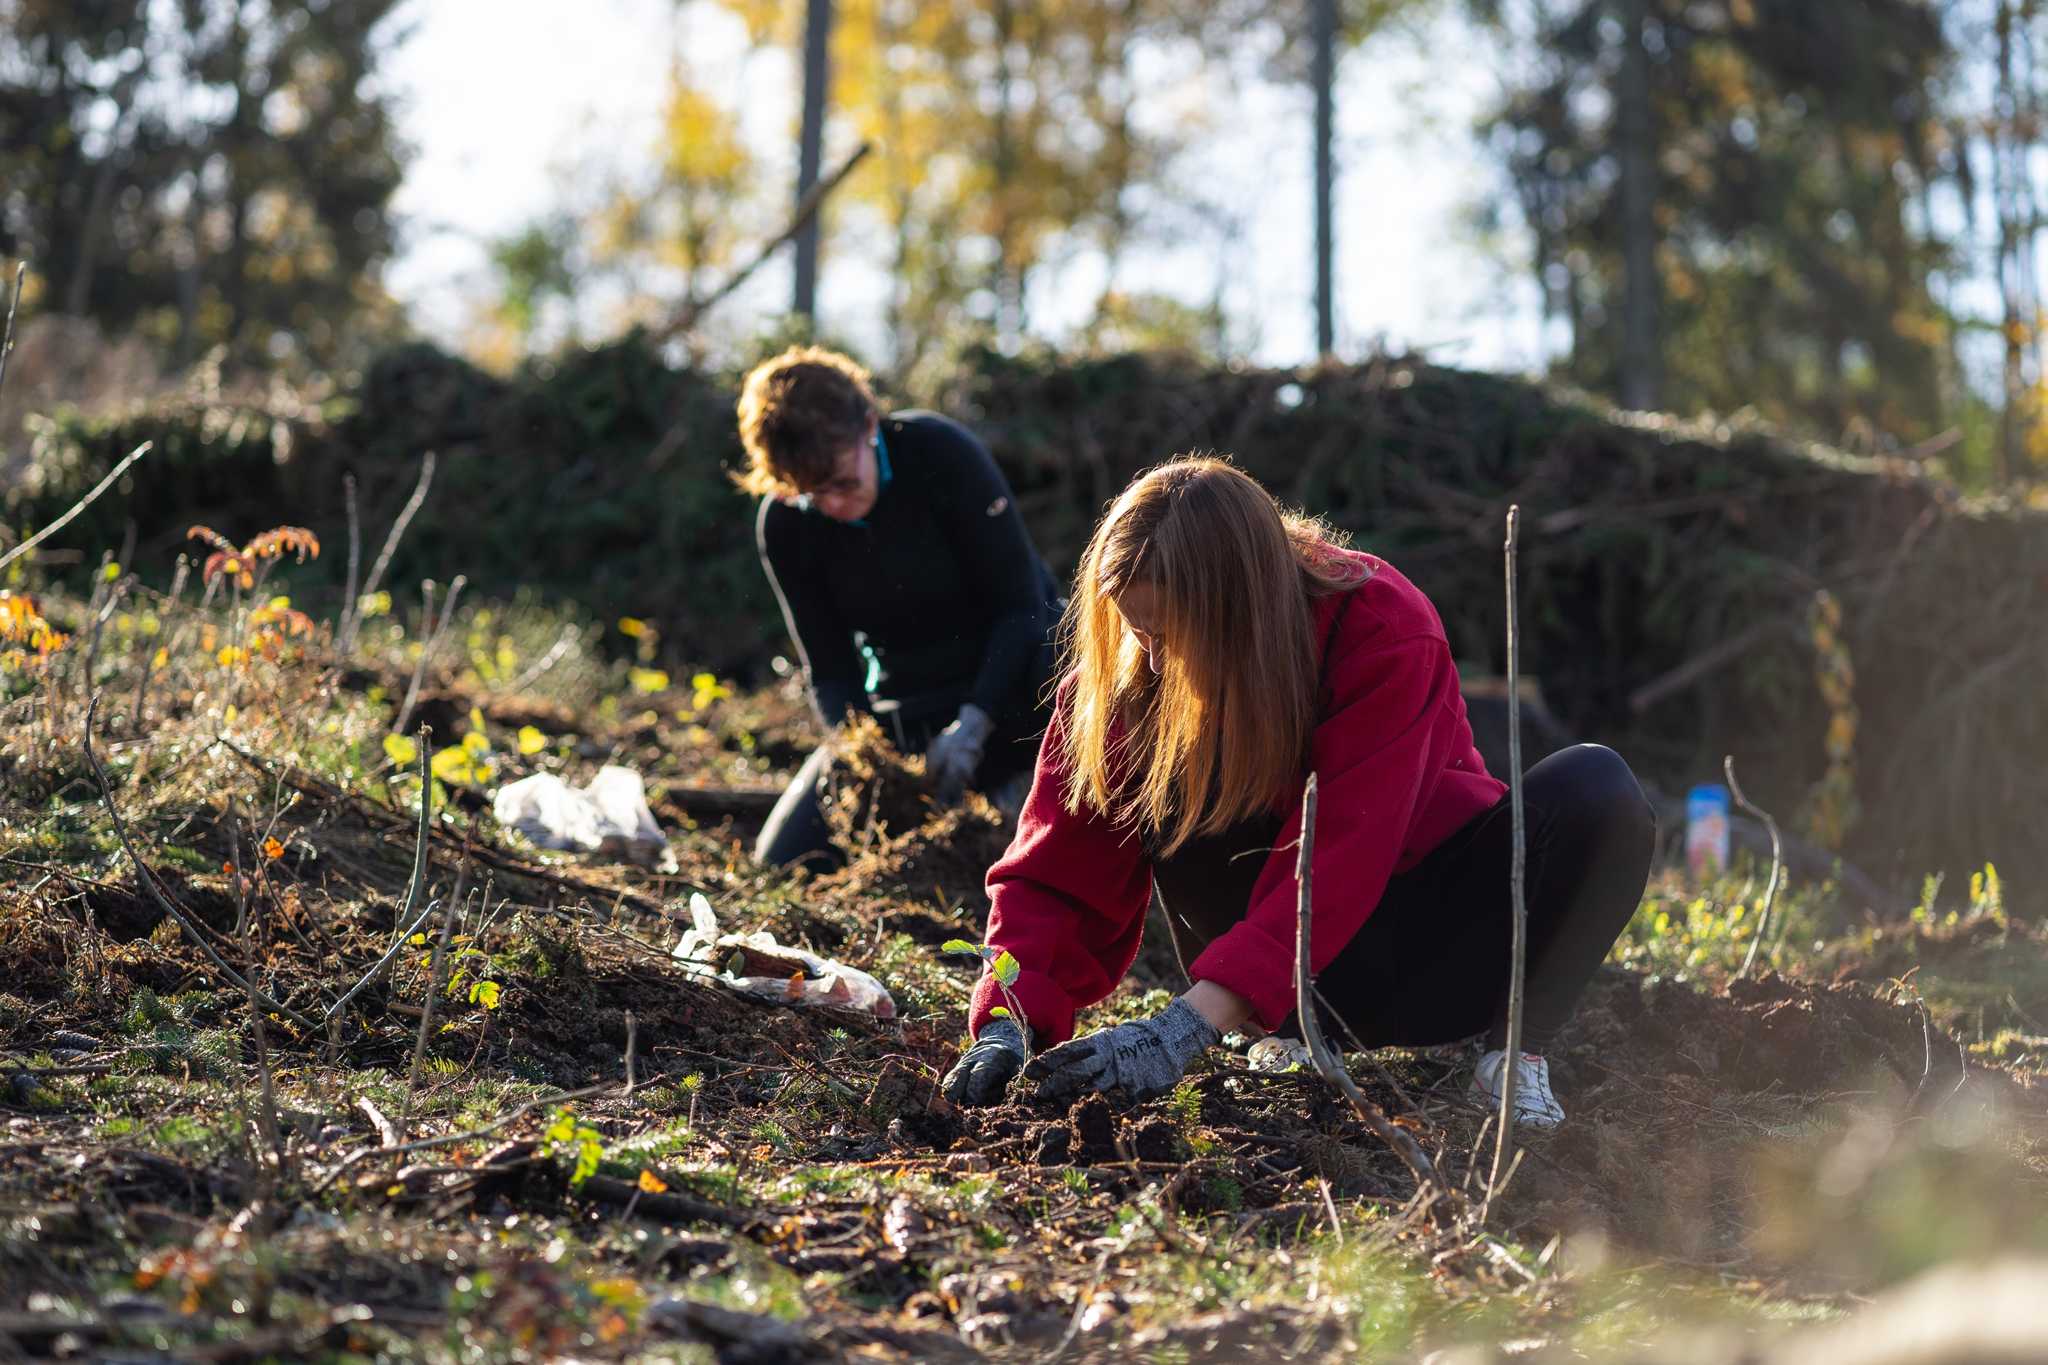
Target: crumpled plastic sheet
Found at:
x=755, y=964
x=608, y=816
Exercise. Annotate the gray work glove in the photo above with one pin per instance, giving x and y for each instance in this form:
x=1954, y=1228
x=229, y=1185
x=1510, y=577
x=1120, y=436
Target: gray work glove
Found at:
x=985, y=1070
x=1142, y=1059
x=956, y=751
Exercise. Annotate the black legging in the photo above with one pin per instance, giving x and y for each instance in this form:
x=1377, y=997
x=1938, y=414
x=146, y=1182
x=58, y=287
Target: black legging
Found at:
x=1431, y=964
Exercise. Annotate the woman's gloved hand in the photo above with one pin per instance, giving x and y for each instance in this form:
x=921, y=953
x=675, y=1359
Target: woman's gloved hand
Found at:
x=986, y=1069
x=1143, y=1058
x=955, y=752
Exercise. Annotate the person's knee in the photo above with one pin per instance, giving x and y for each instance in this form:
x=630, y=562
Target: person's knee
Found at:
x=1609, y=797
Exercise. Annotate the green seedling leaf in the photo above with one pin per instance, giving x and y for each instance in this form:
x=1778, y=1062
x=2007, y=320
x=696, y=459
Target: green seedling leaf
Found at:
x=484, y=993
x=1005, y=968
x=960, y=945
x=999, y=1012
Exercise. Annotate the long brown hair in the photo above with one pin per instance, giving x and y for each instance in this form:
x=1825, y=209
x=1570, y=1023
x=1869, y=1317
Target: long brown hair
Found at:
x=1223, y=729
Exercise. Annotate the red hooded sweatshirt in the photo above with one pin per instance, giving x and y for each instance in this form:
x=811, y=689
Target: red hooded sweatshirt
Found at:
x=1397, y=774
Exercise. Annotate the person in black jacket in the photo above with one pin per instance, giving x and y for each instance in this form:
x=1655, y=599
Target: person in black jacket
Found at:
x=905, y=576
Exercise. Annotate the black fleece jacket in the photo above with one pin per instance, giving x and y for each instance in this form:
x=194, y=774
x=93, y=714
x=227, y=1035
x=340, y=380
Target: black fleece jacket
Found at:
x=940, y=583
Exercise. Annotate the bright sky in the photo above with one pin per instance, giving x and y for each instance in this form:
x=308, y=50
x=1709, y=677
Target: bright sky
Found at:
x=506, y=101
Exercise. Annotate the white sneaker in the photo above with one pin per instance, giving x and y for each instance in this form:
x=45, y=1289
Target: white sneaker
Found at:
x=1274, y=1053
x=1534, y=1104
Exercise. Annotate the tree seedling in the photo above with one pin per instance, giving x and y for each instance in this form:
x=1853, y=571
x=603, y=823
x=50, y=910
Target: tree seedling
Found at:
x=1002, y=965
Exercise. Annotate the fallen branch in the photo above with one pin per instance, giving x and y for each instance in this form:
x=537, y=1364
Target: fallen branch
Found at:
x=1326, y=1063
x=1763, y=924
x=1504, y=1142
x=148, y=880
x=387, y=1131
x=61, y=522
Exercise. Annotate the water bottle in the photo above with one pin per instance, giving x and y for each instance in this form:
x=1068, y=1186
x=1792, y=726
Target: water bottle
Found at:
x=1706, y=829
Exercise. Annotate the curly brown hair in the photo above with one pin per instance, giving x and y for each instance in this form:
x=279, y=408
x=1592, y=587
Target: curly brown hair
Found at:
x=797, y=412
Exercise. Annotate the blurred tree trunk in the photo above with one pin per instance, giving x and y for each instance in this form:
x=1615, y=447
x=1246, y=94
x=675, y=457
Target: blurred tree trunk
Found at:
x=1323, y=77
x=817, y=35
x=1642, y=343
x=2014, y=132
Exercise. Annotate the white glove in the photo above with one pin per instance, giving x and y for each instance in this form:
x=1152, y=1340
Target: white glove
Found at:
x=956, y=752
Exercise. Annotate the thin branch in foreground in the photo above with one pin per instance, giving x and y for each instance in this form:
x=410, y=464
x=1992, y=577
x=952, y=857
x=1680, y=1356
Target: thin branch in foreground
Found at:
x=456, y=908
x=1504, y=1144
x=1326, y=1063
x=13, y=302
x=1763, y=924
x=61, y=522
x=412, y=892
x=349, y=598
x=148, y=880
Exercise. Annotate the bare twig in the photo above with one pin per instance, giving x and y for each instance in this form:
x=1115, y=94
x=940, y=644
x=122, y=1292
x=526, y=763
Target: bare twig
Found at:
x=1504, y=1139
x=13, y=302
x=547, y=661
x=61, y=522
x=1327, y=1064
x=355, y=552
x=148, y=880
x=383, y=561
x=808, y=205
x=432, y=631
x=419, y=1047
x=632, y=1048
x=1763, y=924
x=467, y=1135
x=412, y=892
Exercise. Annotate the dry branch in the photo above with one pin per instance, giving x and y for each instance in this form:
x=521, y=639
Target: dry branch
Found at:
x=412, y=892
x=1763, y=924
x=352, y=616
x=1504, y=1144
x=1326, y=1062
x=805, y=208
x=61, y=522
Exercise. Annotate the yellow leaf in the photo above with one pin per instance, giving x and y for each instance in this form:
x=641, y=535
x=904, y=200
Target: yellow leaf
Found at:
x=632, y=626
x=452, y=765
x=230, y=714
x=230, y=655
x=400, y=750
x=531, y=740
x=280, y=604
x=652, y=1183
x=476, y=743
x=649, y=680
x=160, y=658
x=272, y=849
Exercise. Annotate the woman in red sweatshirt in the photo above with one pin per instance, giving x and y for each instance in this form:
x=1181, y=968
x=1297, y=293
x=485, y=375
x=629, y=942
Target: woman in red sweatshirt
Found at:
x=1218, y=644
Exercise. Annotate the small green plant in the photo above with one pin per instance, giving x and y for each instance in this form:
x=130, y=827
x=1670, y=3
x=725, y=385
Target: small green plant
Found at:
x=1003, y=966
x=565, y=1136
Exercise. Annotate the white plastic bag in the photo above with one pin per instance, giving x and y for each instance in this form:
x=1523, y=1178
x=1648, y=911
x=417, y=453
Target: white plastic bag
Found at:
x=755, y=964
x=609, y=816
